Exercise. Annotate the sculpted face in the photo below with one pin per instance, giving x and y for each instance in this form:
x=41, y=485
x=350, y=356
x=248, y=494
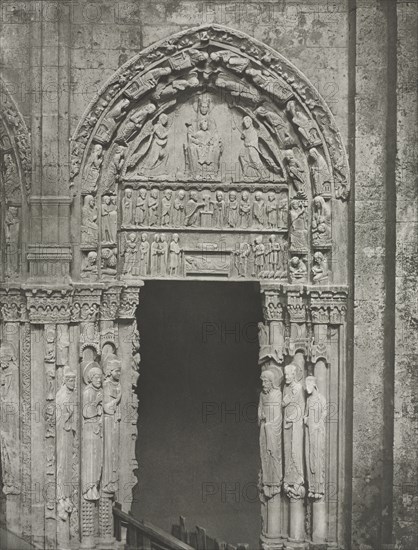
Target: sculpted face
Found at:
x=182, y=194
x=267, y=384
x=96, y=380
x=245, y=196
x=70, y=382
x=289, y=374
x=232, y=196
x=247, y=122
x=128, y=193
x=310, y=385
x=142, y=193
x=116, y=373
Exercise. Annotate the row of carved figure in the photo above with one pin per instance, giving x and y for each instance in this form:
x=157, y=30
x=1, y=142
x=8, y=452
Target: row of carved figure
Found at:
x=206, y=209
x=286, y=420
x=165, y=256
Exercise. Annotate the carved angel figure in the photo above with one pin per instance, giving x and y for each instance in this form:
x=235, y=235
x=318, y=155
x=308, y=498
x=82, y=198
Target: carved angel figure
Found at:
x=152, y=152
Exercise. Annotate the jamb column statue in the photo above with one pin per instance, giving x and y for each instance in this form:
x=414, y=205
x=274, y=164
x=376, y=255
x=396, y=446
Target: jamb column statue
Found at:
x=111, y=438
x=92, y=452
x=293, y=482
x=66, y=429
x=315, y=415
x=270, y=422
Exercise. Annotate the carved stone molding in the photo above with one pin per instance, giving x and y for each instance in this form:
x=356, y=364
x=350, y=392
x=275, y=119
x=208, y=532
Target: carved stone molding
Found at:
x=17, y=136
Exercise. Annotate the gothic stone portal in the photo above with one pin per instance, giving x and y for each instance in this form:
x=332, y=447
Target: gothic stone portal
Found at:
x=207, y=156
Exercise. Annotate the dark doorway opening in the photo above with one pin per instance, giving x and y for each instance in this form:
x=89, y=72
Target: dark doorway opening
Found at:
x=197, y=443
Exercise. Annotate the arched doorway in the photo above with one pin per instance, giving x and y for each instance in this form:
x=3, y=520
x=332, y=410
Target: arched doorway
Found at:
x=210, y=157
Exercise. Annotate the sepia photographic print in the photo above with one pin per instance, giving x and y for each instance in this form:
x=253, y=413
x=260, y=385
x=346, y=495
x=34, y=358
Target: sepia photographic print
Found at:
x=208, y=275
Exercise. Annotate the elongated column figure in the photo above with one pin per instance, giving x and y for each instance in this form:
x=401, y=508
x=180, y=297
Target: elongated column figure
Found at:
x=111, y=436
x=92, y=451
x=316, y=411
x=270, y=422
x=293, y=482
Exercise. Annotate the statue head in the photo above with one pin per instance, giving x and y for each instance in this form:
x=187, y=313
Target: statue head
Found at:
x=128, y=192
x=290, y=373
x=271, y=196
x=319, y=202
x=132, y=237
x=143, y=192
x=163, y=119
x=181, y=193
x=232, y=196
x=106, y=199
x=245, y=196
x=259, y=239
x=112, y=367
x=95, y=376
x=91, y=257
x=154, y=193
x=310, y=382
x=294, y=262
x=267, y=381
x=144, y=237
x=247, y=122
x=69, y=378
x=176, y=237
x=318, y=258
x=219, y=195
x=258, y=196
x=193, y=195
x=98, y=149
x=168, y=193
x=204, y=125
x=272, y=238
x=204, y=103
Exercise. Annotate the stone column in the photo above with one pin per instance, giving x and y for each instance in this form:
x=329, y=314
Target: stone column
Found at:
x=271, y=341
x=294, y=408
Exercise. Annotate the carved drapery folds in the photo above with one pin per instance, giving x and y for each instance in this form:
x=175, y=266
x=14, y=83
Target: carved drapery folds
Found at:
x=208, y=132
x=69, y=344
x=301, y=356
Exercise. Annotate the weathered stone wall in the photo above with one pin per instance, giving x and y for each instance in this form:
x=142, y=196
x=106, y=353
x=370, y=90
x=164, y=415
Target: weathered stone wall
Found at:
x=361, y=57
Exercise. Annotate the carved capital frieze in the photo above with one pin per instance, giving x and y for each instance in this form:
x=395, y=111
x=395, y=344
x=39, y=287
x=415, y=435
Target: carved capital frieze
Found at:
x=49, y=305
x=273, y=302
x=86, y=303
x=110, y=303
x=328, y=305
x=12, y=305
x=129, y=301
x=296, y=306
